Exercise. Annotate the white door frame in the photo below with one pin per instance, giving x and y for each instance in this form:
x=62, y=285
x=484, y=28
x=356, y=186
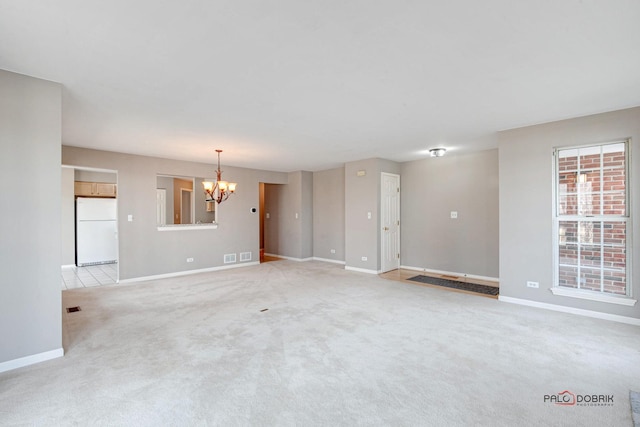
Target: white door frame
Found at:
x=389, y=227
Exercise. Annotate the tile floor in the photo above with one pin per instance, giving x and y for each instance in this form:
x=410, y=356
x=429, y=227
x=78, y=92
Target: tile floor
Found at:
x=93, y=275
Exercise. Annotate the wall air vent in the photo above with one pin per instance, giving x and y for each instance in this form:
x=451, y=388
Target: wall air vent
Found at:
x=245, y=256
x=229, y=258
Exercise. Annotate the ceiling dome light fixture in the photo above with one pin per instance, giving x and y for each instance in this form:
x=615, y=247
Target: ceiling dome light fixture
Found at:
x=224, y=188
x=437, y=152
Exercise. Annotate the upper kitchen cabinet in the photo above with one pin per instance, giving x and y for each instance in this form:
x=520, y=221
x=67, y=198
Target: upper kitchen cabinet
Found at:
x=95, y=189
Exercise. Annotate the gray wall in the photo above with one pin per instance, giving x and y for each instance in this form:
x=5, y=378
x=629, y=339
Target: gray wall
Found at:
x=306, y=214
x=362, y=195
x=30, y=296
x=285, y=234
x=431, y=189
x=526, y=171
x=290, y=205
x=68, y=227
x=145, y=251
x=95, y=176
x=328, y=214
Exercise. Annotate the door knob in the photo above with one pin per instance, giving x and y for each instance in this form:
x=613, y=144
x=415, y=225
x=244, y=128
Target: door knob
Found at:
x=386, y=229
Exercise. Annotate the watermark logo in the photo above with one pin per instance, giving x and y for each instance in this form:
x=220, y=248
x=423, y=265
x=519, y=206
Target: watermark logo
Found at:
x=567, y=398
x=564, y=398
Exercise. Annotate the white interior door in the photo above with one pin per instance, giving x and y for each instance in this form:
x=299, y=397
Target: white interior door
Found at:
x=390, y=222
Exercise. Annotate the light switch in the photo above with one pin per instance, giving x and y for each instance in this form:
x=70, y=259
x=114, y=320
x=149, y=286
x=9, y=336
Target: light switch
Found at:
x=297, y=215
x=130, y=218
x=267, y=215
x=368, y=215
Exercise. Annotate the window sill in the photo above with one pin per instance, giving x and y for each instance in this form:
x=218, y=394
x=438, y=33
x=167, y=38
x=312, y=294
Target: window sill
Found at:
x=593, y=296
x=180, y=227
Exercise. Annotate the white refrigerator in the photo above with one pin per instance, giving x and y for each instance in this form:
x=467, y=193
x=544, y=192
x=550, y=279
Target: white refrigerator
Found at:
x=96, y=231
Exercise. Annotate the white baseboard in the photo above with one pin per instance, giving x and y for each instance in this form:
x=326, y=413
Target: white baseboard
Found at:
x=360, y=270
x=450, y=273
x=290, y=258
x=188, y=272
x=335, y=261
x=31, y=360
x=67, y=266
x=315, y=258
x=571, y=310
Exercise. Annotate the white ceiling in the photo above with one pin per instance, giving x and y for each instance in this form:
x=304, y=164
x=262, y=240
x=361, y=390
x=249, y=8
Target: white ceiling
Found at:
x=290, y=84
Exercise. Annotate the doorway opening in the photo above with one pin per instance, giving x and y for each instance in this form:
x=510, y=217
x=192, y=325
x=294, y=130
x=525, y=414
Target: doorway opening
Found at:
x=261, y=210
x=268, y=208
x=89, y=227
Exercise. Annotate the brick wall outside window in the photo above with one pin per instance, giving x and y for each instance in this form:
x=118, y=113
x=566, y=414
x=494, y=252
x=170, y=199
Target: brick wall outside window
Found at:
x=591, y=218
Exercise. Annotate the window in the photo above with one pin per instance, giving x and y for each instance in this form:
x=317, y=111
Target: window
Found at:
x=592, y=219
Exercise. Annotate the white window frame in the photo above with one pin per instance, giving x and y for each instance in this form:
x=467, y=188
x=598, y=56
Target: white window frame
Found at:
x=600, y=296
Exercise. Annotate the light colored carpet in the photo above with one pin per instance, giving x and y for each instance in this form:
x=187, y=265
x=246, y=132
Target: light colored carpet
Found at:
x=634, y=398
x=335, y=348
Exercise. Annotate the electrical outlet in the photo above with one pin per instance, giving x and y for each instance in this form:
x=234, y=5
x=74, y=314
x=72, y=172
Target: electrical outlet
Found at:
x=364, y=258
x=454, y=215
x=333, y=251
x=533, y=285
x=189, y=259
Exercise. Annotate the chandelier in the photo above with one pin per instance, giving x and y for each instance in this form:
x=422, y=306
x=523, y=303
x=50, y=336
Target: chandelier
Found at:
x=224, y=188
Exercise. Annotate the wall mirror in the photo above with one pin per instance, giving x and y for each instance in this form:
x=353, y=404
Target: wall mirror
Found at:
x=180, y=200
